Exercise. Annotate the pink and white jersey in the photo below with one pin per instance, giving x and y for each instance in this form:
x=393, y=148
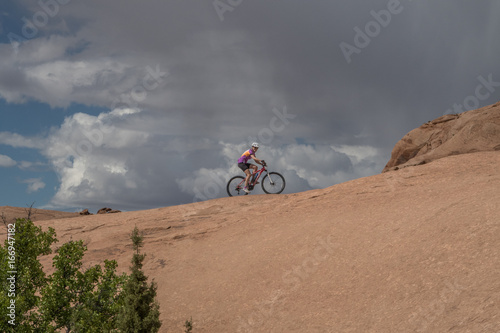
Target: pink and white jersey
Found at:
x=246, y=156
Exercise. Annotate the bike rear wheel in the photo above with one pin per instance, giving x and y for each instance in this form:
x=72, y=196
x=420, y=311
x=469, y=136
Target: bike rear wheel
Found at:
x=273, y=183
x=235, y=187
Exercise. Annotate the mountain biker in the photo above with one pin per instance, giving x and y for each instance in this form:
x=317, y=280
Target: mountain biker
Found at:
x=249, y=168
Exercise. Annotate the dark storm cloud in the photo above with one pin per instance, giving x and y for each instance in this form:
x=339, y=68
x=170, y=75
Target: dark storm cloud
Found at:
x=266, y=54
x=428, y=56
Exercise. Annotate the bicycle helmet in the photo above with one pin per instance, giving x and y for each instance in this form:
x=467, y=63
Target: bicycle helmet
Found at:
x=255, y=144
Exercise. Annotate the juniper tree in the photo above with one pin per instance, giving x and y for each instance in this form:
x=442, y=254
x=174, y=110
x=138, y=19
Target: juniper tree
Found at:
x=140, y=312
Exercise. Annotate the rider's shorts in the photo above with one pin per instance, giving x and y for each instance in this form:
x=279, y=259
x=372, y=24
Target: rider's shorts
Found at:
x=244, y=166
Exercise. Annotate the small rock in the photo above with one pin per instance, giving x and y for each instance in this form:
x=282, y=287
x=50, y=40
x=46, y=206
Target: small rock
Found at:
x=85, y=212
x=104, y=210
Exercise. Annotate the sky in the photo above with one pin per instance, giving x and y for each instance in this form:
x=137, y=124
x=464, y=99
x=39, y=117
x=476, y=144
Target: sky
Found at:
x=142, y=104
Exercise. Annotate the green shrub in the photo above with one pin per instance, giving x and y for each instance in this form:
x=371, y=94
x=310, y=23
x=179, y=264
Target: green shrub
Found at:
x=71, y=299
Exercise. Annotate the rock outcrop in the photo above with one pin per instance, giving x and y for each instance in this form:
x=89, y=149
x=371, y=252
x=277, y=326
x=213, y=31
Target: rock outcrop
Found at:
x=451, y=134
x=106, y=210
x=85, y=212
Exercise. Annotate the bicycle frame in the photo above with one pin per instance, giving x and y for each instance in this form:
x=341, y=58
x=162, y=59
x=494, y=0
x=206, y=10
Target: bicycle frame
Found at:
x=258, y=173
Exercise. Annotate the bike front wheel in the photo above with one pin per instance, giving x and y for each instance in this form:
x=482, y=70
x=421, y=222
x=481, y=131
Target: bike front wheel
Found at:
x=235, y=186
x=273, y=183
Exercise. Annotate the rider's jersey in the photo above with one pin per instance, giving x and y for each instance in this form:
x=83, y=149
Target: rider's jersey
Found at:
x=246, y=156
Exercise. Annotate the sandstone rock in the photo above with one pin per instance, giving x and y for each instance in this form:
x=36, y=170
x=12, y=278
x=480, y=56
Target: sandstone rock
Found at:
x=467, y=132
x=85, y=212
x=106, y=210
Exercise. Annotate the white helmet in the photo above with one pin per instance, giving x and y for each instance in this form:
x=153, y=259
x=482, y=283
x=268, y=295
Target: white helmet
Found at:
x=255, y=144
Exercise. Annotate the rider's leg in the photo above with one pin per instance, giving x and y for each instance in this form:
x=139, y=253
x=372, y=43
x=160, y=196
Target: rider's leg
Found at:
x=244, y=167
x=248, y=173
x=254, y=168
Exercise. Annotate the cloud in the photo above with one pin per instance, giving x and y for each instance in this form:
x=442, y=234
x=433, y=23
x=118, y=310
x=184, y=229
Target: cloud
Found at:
x=33, y=166
x=42, y=71
x=18, y=141
x=113, y=159
x=205, y=71
x=98, y=161
x=6, y=161
x=325, y=165
x=222, y=72
x=34, y=184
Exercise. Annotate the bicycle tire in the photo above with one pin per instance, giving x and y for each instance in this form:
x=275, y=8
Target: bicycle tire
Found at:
x=278, y=183
x=232, y=186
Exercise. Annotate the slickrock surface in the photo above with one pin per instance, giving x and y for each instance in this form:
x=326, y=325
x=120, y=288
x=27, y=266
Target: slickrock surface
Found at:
x=414, y=250
x=11, y=213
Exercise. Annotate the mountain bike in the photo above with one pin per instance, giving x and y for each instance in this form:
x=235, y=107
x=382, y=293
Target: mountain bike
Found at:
x=272, y=182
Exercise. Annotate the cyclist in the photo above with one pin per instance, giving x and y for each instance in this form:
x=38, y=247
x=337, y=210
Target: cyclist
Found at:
x=249, y=168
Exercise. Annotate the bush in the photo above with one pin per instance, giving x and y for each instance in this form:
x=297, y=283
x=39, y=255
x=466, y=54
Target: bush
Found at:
x=71, y=299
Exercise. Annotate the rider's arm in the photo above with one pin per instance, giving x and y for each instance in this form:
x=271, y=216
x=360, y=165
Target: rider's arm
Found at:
x=256, y=159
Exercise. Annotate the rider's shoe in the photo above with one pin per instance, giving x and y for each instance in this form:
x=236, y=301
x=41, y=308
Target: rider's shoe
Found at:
x=246, y=190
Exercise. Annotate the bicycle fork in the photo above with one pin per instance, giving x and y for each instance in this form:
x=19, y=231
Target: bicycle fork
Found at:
x=270, y=179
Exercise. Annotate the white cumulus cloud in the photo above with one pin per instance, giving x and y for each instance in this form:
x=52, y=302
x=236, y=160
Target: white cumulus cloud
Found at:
x=34, y=184
x=6, y=161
